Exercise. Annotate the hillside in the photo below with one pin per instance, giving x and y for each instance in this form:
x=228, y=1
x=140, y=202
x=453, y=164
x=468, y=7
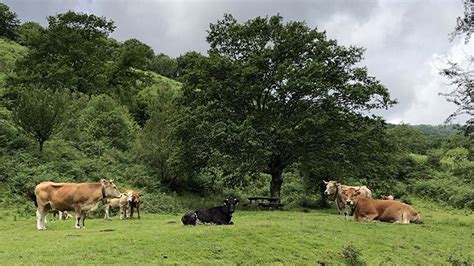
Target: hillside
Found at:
x=9, y=53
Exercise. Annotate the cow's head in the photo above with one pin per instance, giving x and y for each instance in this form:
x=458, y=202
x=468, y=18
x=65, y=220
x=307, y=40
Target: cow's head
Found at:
x=109, y=189
x=331, y=188
x=230, y=204
x=352, y=197
x=135, y=197
x=127, y=196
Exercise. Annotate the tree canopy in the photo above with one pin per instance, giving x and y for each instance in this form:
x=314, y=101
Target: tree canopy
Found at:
x=72, y=53
x=8, y=22
x=272, y=93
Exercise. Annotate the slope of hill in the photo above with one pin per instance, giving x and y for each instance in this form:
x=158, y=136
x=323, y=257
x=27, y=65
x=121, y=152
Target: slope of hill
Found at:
x=9, y=52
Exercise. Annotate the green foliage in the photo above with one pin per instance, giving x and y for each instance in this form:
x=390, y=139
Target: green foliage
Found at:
x=104, y=120
x=409, y=138
x=445, y=189
x=164, y=65
x=41, y=112
x=351, y=255
x=10, y=52
x=29, y=33
x=8, y=22
x=438, y=131
x=270, y=94
x=72, y=53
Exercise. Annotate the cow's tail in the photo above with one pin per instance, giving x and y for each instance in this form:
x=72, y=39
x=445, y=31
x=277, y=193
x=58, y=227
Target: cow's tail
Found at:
x=32, y=196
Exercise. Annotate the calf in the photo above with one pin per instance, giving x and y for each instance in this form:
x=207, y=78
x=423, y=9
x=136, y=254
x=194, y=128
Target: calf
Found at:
x=122, y=203
x=61, y=215
x=392, y=211
x=389, y=197
x=80, y=197
x=134, y=202
x=339, y=191
x=216, y=215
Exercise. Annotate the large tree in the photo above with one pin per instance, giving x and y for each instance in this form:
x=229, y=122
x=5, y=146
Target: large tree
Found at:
x=271, y=94
x=8, y=22
x=40, y=112
x=72, y=53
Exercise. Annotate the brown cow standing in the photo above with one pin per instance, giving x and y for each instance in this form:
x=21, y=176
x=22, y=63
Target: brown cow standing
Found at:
x=134, y=202
x=366, y=210
x=80, y=197
x=339, y=192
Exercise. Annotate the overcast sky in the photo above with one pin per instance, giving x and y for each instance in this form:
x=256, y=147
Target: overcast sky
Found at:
x=407, y=41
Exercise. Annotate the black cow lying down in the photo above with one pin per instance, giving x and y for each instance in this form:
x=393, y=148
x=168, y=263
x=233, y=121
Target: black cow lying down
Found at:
x=215, y=215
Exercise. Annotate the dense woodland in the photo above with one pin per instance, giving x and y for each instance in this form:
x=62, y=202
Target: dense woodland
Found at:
x=273, y=108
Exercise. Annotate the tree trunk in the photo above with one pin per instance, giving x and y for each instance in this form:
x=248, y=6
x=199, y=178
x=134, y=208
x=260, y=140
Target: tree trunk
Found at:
x=275, y=183
x=41, y=143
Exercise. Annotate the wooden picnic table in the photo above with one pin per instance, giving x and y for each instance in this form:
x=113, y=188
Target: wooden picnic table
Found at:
x=265, y=202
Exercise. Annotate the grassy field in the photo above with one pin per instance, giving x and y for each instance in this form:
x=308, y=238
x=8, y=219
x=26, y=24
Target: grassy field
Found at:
x=264, y=237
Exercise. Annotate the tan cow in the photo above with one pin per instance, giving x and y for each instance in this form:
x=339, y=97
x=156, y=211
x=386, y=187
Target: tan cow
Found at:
x=339, y=191
x=134, y=202
x=121, y=203
x=366, y=210
x=80, y=197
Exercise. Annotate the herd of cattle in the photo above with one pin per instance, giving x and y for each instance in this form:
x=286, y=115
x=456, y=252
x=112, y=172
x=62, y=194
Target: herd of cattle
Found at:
x=85, y=197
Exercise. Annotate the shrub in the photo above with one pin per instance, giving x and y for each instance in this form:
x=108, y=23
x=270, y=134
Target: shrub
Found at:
x=351, y=255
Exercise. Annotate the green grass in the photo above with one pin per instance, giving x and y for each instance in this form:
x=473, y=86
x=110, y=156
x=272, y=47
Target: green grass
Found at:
x=265, y=237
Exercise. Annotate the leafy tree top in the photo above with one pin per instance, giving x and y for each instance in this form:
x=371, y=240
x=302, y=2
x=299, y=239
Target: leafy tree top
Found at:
x=272, y=93
x=8, y=22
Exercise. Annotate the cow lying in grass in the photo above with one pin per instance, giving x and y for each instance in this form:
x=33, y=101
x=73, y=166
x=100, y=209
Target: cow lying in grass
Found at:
x=339, y=193
x=366, y=210
x=216, y=215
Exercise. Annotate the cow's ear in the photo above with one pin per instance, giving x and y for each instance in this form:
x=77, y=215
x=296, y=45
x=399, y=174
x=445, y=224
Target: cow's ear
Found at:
x=103, y=181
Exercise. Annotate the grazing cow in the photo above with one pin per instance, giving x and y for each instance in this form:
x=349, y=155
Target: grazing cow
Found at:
x=366, y=210
x=339, y=192
x=122, y=203
x=215, y=215
x=80, y=197
x=134, y=202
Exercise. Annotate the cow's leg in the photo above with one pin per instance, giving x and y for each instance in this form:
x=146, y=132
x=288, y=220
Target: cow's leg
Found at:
x=138, y=210
x=78, y=216
x=60, y=214
x=40, y=218
x=83, y=218
x=121, y=212
x=131, y=212
x=107, y=210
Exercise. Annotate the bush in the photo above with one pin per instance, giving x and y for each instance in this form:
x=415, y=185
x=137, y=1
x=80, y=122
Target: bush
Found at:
x=351, y=255
x=161, y=203
x=446, y=189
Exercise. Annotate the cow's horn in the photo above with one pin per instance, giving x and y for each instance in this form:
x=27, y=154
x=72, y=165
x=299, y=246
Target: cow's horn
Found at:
x=325, y=182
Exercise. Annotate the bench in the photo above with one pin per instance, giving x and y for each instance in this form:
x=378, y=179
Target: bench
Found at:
x=270, y=205
x=265, y=202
